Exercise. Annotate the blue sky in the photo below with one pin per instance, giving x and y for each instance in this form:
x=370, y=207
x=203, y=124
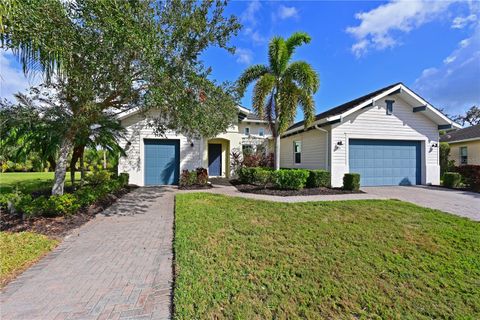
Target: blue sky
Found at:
x=357, y=47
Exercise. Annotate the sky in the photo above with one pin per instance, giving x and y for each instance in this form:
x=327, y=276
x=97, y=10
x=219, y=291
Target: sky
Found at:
x=357, y=47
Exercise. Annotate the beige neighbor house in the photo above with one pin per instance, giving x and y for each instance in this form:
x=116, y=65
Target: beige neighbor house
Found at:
x=464, y=145
x=389, y=136
x=159, y=160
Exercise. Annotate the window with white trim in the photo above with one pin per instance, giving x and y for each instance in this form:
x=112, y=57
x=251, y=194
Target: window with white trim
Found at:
x=246, y=131
x=463, y=155
x=297, y=151
x=261, y=132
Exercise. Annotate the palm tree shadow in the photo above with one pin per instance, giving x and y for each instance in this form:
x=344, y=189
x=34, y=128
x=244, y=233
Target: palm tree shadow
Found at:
x=139, y=201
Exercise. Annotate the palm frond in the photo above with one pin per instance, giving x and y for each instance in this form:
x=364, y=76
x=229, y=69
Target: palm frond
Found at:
x=296, y=40
x=306, y=102
x=251, y=74
x=277, y=55
x=303, y=73
x=288, y=100
x=263, y=88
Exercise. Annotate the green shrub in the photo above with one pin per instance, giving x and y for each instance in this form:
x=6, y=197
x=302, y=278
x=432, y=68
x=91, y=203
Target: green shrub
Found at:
x=98, y=177
x=123, y=178
x=6, y=198
x=318, y=178
x=351, y=181
x=86, y=195
x=470, y=176
x=262, y=176
x=290, y=179
x=246, y=175
x=66, y=204
x=452, y=179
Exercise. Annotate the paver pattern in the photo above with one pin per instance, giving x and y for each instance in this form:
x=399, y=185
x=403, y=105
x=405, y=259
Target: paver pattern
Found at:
x=117, y=266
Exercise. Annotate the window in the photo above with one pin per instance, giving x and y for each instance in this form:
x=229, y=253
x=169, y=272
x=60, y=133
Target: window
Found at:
x=297, y=151
x=389, y=106
x=463, y=155
x=246, y=131
x=261, y=132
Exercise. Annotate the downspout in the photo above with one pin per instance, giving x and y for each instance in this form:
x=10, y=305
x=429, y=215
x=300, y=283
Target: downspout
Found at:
x=326, y=145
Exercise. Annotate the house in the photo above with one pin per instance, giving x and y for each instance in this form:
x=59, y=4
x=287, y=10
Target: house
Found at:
x=464, y=145
x=159, y=159
x=389, y=136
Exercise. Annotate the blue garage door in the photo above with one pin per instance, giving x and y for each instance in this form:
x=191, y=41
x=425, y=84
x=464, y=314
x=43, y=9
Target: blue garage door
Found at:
x=162, y=162
x=385, y=162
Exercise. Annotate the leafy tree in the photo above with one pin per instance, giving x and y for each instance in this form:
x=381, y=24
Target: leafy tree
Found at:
x=282, y=86
x=471, y=117
x=112, y=54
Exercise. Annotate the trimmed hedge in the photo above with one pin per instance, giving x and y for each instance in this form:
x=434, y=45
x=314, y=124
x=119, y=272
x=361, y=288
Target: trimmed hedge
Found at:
x=318, y=178
x=295, y=179
x=351, y=181
x=471, y=176
x=452, y=179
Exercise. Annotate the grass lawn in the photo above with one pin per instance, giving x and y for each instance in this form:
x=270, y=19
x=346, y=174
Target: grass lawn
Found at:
x=19, y=250
x=28, y=181
x=244, y=259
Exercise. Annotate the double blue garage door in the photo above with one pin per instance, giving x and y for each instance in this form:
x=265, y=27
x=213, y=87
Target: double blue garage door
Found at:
x=162, y=161
x=385, y=162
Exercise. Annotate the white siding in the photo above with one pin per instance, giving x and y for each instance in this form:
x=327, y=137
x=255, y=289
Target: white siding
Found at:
x=314, y=150
x=137, y=131
x=374, y=123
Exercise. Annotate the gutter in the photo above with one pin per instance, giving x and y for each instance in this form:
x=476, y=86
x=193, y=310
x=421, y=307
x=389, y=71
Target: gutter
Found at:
x=326, y=145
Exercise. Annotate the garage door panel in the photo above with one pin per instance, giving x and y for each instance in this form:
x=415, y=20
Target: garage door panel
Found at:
x=385, y=162
x=162, y=159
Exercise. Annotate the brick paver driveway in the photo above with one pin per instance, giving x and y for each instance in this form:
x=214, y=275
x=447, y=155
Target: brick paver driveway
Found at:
x=458, y=202
x=117, y=266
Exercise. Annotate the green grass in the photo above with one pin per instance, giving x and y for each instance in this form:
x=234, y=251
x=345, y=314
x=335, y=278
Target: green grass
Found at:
x=19, y=250
x=28, y=181
x=382, y=259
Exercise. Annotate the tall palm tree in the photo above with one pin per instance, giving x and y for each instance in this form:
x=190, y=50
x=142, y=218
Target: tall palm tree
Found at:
x=282, y=86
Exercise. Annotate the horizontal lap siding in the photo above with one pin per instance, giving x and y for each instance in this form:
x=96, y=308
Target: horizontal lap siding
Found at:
x=314, y=150
x=374, y=123
x=137, y=130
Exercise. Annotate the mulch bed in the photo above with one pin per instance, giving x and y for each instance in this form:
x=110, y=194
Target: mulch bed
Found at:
x=58, y=227
x=270, y=190
x=195, y=187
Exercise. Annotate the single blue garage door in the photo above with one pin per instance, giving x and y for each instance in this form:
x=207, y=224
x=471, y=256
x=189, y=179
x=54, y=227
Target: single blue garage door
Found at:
x=385, y=162
x=162, y=161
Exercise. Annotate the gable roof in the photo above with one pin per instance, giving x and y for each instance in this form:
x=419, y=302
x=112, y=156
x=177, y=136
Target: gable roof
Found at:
x=470, y=133
x=349, y=107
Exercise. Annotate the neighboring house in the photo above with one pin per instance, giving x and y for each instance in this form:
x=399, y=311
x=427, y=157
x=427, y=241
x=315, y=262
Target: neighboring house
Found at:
x=156, y=160
x=464, y=145
x=390, y=137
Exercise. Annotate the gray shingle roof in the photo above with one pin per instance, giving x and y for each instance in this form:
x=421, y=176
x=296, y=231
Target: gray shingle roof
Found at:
x=462, y=134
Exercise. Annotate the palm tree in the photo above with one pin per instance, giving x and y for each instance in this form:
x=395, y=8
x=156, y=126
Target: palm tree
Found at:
x=281, y=87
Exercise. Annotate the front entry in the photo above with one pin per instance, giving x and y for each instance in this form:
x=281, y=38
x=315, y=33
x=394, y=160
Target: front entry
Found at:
x=214, y=159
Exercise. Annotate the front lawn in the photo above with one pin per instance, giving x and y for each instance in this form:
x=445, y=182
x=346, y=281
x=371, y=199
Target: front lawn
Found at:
x=19, y=250
x=28, y=182
x=245, y=259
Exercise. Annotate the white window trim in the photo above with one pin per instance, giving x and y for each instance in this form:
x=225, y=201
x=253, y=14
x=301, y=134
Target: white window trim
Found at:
x=295, y=153
x=460, y=151
x=245, y=131
x=261, y=132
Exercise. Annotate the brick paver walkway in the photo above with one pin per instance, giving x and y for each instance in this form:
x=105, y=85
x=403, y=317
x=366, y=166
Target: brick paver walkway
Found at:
x=117, y=266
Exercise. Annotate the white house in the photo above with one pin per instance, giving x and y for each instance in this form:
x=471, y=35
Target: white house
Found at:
x=390, y=137
x=157, y=160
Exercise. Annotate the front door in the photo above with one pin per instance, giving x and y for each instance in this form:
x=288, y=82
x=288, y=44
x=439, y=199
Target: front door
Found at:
x=215, y=159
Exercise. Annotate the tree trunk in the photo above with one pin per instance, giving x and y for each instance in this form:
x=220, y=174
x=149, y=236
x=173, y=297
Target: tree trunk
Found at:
x=61, y=167
x=104, y=160
x=277, y=152
x=77, y=152
x=82, y=168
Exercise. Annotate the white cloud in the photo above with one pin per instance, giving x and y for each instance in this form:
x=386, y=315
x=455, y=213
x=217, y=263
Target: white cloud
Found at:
x=462, y=22
x=379, y=27
x=250, y=14
x=12, y=78
x=285, y=12
x=244, y=56
x=455, y=84
x=255, y=36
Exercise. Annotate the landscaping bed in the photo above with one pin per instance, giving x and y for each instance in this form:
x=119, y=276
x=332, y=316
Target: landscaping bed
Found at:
x=58, y=226
x=239, y=258
x=273, y=191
